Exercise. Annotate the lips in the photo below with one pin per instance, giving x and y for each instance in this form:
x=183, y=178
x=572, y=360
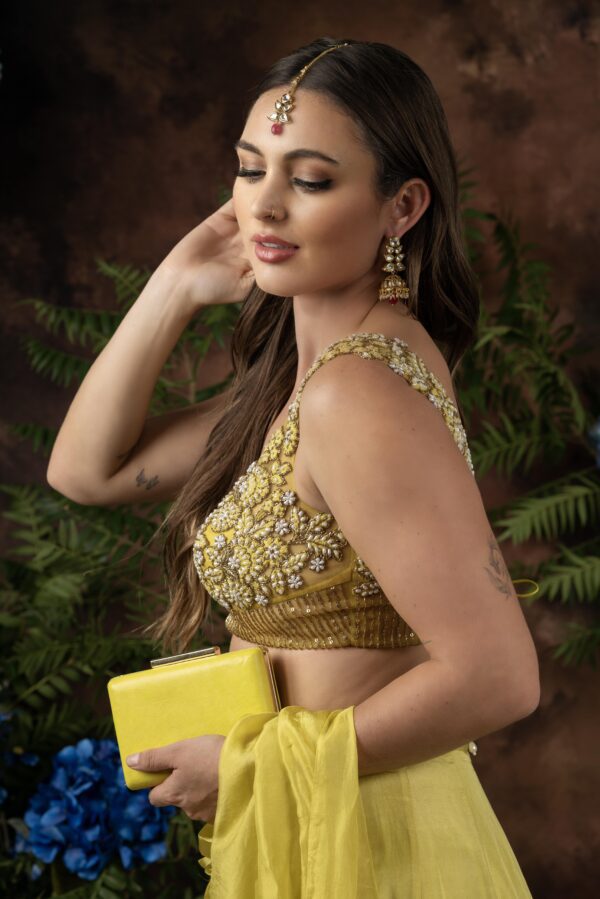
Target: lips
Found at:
x=274, y=239
x=273, y=254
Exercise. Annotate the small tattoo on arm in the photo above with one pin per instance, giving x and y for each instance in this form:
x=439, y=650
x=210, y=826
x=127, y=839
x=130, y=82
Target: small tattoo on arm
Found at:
x=497, y=570
x=149, y=482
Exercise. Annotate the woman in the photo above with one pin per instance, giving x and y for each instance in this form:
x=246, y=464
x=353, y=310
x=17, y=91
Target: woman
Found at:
x=360, y=553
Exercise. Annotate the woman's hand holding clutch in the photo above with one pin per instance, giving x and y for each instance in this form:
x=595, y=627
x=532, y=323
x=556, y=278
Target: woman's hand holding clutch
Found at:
x=193, y=784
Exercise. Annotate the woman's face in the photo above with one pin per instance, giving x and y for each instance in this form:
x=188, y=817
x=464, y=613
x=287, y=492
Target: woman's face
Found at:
x=338, y=224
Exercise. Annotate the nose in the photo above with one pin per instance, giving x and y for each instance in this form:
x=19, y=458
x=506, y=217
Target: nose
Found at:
x=266, y=204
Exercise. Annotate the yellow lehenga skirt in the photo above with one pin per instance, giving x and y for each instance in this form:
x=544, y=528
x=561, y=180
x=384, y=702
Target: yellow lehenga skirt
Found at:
x=295, y=821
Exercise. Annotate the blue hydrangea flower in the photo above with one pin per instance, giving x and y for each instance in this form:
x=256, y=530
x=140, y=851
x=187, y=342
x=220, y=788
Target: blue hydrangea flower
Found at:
x=86, y=814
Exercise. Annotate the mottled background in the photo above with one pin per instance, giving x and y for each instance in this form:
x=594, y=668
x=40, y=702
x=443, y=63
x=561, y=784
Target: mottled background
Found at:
x=118, y=120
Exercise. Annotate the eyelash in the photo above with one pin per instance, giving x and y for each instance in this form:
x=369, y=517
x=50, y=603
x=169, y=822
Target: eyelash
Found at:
x=310, y=186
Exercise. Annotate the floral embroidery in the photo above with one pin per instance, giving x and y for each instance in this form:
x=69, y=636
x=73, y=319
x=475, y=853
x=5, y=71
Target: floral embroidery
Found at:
x=364, y=580
x=263, y=540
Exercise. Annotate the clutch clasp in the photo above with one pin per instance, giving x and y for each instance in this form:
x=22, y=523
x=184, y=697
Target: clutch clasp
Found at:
x=184, y=656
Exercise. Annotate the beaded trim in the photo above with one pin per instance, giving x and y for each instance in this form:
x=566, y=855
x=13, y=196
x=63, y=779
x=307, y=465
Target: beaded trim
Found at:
x=323, y=619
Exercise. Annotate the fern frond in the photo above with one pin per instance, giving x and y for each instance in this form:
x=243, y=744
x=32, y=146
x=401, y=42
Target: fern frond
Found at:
x=127, y=280
x=41, y=437
x=84, y=327
x=572, y=505
x=515, y=444
x=571, y=577
x=58, y=366
x=580, y=647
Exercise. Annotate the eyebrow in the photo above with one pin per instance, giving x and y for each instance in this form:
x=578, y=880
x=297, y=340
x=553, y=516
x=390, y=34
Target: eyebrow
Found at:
x=301, y=153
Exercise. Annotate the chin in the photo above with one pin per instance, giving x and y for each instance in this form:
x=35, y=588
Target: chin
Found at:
x=280, y=287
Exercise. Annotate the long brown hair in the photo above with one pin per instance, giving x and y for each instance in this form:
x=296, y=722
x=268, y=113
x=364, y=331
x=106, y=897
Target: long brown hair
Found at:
x=402, y=122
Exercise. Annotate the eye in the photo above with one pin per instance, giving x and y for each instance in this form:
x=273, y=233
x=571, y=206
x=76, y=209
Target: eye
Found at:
x=252, y=177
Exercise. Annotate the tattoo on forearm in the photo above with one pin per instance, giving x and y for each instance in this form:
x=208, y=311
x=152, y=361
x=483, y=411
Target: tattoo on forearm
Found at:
x=149, y=482
x=497, y=570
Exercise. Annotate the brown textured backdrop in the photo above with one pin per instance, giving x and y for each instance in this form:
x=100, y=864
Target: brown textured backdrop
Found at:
x=118, y=123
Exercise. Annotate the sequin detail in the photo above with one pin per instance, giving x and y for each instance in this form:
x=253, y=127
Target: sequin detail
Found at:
x=262, y=546
x=324, y=619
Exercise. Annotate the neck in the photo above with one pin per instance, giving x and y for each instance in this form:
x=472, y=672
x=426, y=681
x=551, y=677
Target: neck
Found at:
x=320, y=320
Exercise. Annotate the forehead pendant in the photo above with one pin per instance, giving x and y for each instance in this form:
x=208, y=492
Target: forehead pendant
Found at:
x=286, y=102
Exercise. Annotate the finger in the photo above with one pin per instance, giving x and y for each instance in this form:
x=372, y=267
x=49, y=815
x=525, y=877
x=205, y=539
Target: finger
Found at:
x=159, y=759
x=159, y=797
x=227, y=210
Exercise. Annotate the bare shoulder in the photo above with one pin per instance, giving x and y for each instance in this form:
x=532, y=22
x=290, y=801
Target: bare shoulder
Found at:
x=347, y=373
x=350, y=398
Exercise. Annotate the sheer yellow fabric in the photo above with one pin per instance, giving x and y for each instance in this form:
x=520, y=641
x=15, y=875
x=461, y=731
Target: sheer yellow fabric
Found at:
x=294, y=820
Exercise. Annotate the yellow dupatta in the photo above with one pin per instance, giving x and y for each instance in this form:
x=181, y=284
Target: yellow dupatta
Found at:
x=290, y=823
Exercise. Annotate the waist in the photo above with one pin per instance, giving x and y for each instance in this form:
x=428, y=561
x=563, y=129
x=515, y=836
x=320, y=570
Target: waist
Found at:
x=338, y=678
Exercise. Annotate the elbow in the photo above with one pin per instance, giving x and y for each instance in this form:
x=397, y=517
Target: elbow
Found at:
x=513, y=679
x=522, y=697
x=67, y=489
x=54, y=478
x=502, y=693
x=528, y=698
x=528, y=689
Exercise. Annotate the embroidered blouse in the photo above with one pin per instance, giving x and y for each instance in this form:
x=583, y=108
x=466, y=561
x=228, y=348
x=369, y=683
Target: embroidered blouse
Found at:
x=283, y=569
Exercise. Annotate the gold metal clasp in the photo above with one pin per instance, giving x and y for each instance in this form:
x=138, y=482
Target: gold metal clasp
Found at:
x=184, y=656
x=272, y=678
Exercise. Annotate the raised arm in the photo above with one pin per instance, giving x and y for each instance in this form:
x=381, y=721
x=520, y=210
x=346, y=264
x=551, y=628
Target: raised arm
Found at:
x=107, y=450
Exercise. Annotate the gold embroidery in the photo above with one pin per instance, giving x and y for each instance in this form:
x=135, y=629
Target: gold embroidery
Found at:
x=264, y=543
x=259, y=547
x=323, y=619
x=364, y=580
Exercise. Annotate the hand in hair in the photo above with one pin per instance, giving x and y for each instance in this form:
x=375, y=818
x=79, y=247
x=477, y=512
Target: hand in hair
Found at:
x=208, y=263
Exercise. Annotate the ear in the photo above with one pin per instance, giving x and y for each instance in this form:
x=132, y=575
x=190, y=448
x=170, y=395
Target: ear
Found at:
x=407, y=206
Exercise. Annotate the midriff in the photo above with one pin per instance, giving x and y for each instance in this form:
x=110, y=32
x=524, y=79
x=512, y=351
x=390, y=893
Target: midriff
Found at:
x=318, y=679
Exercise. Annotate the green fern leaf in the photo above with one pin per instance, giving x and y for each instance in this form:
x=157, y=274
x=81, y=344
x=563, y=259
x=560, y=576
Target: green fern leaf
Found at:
x=580, y=647
x=572, y=577
x=127, y=280
x=60, y=367
x=546, y=517
x=41, y=437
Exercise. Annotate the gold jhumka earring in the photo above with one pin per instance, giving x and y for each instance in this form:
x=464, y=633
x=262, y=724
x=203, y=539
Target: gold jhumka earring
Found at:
x=394, y=287
x=286, y=102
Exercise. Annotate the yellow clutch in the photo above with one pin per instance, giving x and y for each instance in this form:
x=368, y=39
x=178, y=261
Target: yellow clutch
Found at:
x=201, y=692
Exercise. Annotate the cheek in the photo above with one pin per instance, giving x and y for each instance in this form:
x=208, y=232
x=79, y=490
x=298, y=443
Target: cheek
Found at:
x=347, y=230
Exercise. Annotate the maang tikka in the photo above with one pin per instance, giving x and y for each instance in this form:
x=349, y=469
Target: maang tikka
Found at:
x=394, y=287
x=286, y=102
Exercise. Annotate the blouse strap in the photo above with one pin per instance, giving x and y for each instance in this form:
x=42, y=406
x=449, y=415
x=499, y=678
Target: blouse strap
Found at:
x=395, y=353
